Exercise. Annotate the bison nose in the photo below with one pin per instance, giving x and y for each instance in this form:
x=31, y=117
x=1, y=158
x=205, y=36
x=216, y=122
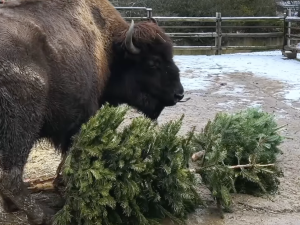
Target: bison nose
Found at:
x=178, y=96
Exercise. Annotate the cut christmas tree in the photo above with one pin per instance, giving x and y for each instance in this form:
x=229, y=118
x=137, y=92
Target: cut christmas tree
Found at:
x=237, y=153
x=139, y=174
x=135, y=175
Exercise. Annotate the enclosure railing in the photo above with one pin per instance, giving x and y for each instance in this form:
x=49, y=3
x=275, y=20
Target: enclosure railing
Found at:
x=218, y=34
x=290, y=39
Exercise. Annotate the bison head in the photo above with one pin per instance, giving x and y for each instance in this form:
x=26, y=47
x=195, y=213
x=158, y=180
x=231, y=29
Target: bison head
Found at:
x=143, y=73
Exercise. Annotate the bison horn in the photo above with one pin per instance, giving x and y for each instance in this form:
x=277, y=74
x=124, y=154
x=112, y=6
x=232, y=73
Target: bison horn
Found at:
x=128, y=41
x=151, y=19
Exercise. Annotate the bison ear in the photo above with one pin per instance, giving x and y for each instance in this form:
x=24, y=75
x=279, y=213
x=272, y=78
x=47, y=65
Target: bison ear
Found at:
x=152, y=20
x=128, y=40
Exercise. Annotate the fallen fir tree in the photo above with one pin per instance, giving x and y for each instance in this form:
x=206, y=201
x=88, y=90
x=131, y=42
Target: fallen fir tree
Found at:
x=237, y=153
x=136, y=175
x=140, y=175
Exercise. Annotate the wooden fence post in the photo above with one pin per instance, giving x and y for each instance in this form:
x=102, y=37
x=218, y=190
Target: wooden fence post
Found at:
x=288, y=51
x=218, y=39
x=285, y=26
x=293, y=53
x=149, y=13
x=289, y=29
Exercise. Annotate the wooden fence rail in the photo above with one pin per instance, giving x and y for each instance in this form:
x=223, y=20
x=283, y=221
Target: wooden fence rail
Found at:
x=288, y=49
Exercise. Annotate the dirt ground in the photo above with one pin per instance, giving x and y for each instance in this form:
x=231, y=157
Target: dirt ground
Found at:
x=224, y=95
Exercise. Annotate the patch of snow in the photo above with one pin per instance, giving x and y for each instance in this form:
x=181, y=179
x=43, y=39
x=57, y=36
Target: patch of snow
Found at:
x=227, y=105
x=255, y=104
x=237, y=91
x=230, y=104
x=195, y=83
x=281, y=114
x=245, y=100
x=293, y=94
x=198, y=72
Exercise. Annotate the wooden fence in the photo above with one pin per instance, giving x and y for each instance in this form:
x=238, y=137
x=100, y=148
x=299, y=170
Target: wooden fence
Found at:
x=289, y=46
x=290, y=40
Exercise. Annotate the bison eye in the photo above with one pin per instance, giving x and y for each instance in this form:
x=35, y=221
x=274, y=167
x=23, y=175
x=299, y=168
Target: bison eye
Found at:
x=153, y=63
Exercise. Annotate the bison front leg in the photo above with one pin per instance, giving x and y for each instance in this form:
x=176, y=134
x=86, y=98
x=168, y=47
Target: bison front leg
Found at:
x=13, y=191
x=21, y=116
x=60, y=166
x=58, y=181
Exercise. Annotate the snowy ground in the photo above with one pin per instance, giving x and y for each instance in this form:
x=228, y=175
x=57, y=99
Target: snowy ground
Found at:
x=199, y=72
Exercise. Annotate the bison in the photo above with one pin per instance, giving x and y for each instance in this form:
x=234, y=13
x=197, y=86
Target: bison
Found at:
x=60, y=61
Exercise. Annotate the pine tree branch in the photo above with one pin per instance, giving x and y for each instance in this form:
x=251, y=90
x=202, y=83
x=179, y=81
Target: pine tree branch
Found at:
x=185, y=100
x=251, y=165
x=41, y=184
x=236, y=167
x=197, y=156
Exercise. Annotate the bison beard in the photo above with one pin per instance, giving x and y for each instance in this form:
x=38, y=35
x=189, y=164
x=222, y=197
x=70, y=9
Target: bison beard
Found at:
x=58, y=64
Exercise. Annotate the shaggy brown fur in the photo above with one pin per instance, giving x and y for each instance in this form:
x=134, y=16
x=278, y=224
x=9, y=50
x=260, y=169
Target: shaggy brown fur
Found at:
x=60, y=60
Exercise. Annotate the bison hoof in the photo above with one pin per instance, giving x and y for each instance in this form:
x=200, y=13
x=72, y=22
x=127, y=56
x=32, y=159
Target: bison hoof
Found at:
x=9, y=206
x=47, y=217
x=36, y=222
